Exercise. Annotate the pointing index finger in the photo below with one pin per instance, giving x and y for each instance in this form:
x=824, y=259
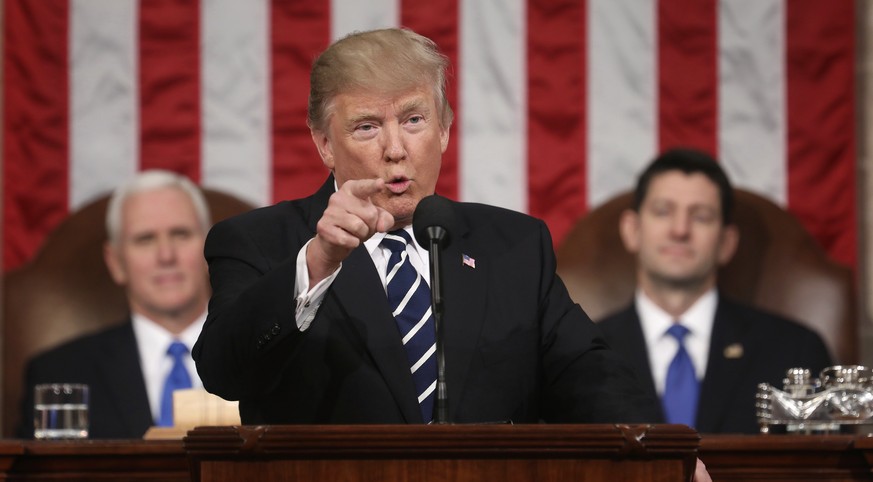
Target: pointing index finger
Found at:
x=364, y=188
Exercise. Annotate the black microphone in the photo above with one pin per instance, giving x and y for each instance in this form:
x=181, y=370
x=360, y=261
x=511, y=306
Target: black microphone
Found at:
x=432, y=222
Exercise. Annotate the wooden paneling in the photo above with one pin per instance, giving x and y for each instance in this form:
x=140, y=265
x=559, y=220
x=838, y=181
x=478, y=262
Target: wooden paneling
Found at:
x=834, y=458
x=513, y=453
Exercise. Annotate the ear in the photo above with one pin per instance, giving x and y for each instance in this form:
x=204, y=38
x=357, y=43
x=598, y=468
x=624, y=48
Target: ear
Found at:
x=325, y=150
x=629, y=229
x=730, y=239
x=444, y=138
x=113, y=262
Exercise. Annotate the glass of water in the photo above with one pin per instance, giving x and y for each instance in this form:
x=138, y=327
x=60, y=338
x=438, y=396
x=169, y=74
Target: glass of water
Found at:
x=60, y=411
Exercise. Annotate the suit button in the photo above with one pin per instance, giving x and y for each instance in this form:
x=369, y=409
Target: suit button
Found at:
x=276, y=329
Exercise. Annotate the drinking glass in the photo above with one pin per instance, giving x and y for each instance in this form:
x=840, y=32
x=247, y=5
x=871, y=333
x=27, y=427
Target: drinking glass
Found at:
x=60, y=411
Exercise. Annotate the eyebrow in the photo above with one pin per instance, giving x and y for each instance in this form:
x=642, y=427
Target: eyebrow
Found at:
x=414, y=104
x=692, y=206
x=366, y=116
x=406, y=107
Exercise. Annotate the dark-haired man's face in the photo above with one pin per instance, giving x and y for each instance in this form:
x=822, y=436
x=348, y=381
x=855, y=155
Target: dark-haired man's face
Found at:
x=678, y=234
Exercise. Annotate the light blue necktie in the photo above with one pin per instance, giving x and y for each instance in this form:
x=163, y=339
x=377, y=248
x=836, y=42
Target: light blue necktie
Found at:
x=409, y=298
x=682, y=389
x=177, y=379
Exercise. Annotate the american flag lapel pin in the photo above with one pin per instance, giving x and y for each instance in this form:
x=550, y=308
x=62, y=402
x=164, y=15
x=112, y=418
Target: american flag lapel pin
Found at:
x=468, y=261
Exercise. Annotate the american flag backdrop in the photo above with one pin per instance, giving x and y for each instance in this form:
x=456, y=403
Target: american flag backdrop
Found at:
x=559, y=103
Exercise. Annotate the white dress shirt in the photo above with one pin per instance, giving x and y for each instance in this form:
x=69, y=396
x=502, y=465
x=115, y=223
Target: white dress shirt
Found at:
x=662, y=347
x=152, y=340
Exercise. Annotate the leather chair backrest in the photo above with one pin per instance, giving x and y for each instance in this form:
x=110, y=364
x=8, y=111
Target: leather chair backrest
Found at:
x=778, y=267
x=66, y=291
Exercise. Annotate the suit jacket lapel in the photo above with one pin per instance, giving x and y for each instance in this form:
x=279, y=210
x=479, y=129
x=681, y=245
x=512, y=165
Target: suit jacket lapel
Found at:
x=319, y=202
x=359, y=291
x=722, y=373
x=122, y=363
x=464, y=289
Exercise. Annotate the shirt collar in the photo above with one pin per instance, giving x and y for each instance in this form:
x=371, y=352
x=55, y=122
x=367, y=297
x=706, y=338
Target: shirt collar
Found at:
x=154, y=334
x=375, y=240
x=698, y=318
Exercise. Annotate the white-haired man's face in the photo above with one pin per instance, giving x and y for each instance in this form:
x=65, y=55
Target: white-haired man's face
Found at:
x=158, y=256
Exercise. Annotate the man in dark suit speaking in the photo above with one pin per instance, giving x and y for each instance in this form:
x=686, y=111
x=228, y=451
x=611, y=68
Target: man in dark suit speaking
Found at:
x=300, y=329
x=681, y=232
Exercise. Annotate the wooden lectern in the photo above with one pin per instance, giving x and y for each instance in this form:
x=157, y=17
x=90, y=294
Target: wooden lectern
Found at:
x=443, y=453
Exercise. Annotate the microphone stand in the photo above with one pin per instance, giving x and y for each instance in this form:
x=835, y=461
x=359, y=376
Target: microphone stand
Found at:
x=436, y=234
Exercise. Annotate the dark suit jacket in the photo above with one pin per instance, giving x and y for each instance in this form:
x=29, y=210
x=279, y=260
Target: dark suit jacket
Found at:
x=517, y=348
x=769, y=346
x=108, y=362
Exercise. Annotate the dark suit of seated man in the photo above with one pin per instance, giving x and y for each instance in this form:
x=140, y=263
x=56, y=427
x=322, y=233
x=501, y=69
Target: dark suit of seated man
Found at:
x=156, y=225
x=680, y=231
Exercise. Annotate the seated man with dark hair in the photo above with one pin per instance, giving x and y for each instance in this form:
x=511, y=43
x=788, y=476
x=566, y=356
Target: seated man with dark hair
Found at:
x=702, y=354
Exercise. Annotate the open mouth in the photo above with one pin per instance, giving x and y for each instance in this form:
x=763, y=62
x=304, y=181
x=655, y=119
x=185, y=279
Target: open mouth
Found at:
x=398, y=185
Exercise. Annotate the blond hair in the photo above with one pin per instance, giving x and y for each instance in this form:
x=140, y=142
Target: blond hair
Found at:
x=388, y=60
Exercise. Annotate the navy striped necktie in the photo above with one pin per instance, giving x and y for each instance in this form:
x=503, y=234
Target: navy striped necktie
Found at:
x=409, y=298
x=682, y=390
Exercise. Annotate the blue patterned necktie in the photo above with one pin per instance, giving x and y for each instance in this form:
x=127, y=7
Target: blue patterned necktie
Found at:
x=409, y=298
x=177, y=379
x=682, y=389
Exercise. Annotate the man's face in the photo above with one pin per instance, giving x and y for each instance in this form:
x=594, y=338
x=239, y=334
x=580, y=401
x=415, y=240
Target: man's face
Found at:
x=158, y=257
x=395, y=137
x=678, y=234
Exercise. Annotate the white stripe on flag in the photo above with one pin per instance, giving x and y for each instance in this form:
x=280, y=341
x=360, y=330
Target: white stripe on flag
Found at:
x=347, y=16
x=104, y=97
x=622, y=98
x=235, y=98
x=493, y=111
x=752, y=108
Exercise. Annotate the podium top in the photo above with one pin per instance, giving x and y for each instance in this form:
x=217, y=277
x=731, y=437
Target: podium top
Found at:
x=456, y=441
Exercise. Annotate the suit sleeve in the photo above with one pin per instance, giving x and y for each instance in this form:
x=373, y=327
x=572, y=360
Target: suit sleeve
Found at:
x=584, y=380
x=251, y=327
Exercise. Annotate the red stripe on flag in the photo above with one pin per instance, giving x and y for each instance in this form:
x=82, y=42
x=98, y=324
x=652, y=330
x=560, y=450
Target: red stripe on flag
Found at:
x=438, y=21
x=820, y=65
x=299, y=31
x=35, y=126
x=557, y=175
x=688, y=74
x=169, y=36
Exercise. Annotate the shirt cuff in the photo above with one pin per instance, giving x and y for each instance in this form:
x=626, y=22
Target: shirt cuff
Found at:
x=308, y=300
